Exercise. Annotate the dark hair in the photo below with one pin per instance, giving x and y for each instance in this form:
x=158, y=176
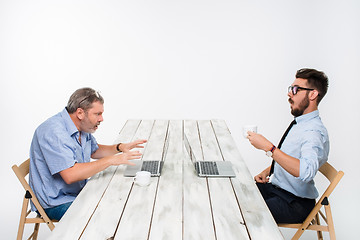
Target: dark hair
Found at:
x=316, y=79
x=83, y=98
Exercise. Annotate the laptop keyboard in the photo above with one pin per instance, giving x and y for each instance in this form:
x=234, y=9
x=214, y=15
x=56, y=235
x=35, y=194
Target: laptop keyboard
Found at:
x=208, y=168
x=150, y=166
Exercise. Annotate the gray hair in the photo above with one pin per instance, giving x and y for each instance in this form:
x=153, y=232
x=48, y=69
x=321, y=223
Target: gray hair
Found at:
x=83, y=98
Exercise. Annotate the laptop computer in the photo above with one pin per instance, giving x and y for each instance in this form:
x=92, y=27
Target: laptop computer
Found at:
x=210, y=168
x=152, y=166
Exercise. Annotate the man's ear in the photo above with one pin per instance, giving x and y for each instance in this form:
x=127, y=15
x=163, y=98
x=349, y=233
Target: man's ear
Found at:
x=80, y=113
x=313, y=95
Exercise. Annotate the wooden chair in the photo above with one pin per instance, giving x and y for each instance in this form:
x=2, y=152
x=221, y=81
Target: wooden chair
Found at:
x=312, y=222
x=21, y=172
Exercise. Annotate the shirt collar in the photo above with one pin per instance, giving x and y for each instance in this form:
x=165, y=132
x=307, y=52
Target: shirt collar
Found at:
x=307, y=116
x=70, y=125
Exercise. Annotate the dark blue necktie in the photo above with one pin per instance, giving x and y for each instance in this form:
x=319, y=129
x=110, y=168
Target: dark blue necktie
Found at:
x=281, y=142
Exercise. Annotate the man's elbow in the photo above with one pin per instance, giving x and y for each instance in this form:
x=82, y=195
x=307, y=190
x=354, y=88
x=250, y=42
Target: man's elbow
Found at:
x=68, y=176
x=307, y=171
x=307, y=176
x=68, y=179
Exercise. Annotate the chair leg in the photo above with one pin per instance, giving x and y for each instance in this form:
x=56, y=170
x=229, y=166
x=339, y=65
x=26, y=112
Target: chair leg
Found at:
x=31, y=236
x=298, y=234
x=36, y=231
x=319, y=233
x=330, y=222
x=302, y=228
x=22, y=219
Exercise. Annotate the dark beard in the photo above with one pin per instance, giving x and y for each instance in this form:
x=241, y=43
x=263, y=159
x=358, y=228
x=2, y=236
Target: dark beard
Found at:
x=302, y=106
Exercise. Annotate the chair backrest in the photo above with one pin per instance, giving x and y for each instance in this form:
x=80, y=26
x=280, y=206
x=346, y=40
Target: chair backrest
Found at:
x=312, y=222
x=328, y=171
x=332, y=175
x=21, y=172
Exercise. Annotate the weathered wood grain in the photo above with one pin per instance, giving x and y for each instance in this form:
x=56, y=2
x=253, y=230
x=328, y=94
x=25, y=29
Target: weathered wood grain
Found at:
x=258, y=219
x=198, y=222
x=167, y=216
x=109, y=210
x=228, y=221
x=177, y=205
x=136, y=219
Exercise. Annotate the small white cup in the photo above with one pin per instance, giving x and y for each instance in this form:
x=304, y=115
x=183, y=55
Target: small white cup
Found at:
x=142, y=178
x=247, y=128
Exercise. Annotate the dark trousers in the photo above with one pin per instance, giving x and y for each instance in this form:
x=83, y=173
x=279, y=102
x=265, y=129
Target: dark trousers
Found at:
x=285, y=206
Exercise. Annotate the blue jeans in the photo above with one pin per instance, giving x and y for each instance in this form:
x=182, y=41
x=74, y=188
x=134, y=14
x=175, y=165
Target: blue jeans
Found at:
x=58, y=211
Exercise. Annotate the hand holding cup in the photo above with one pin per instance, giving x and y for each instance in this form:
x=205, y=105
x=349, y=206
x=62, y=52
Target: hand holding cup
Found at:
x=249, y=128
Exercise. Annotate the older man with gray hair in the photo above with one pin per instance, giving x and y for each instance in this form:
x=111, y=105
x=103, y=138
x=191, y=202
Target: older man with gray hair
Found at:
x=61, y=150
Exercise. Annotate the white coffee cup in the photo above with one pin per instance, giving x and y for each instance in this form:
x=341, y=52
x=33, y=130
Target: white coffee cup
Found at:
x=142, y=178
x=247, y=128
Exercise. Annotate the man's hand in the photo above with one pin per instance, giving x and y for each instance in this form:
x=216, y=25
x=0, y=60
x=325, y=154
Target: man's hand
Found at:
x=259, y=141
x=126, y=147
x=263, y=177
x=81, y=171
x=124, y=158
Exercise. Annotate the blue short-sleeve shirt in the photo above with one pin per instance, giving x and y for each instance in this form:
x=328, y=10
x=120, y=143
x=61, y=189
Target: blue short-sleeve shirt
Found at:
x=56, y=147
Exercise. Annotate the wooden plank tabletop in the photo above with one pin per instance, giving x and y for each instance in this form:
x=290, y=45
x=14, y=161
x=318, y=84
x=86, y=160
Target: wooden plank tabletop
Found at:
x=177, y=205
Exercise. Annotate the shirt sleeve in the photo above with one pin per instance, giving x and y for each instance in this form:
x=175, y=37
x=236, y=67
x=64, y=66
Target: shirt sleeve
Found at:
x=58, y=151
x=313, y=154
x=94, y=144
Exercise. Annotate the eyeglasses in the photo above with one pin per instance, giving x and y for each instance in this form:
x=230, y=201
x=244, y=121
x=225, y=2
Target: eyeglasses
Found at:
x=96, y=93
x=295, y=89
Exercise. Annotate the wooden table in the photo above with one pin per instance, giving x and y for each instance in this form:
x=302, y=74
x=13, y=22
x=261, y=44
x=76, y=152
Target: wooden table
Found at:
x=178, y=204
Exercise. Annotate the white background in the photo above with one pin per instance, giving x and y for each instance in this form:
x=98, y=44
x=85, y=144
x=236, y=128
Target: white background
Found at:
x=188, y=59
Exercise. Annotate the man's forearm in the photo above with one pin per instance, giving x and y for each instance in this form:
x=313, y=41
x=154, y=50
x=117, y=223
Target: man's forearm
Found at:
x=266, y=171
x=104, y=151
x=290, y=164
x=81, y=171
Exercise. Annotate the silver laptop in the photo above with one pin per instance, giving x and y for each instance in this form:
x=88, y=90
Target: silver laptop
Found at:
x=210, y=168
x=152, y=166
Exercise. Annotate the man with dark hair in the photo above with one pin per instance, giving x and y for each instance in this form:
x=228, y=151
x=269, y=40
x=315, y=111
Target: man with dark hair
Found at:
x=61, y=150
x=302, y=150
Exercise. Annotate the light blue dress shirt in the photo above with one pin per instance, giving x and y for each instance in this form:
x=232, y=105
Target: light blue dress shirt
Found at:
x=307, y=141
x=56, y=147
